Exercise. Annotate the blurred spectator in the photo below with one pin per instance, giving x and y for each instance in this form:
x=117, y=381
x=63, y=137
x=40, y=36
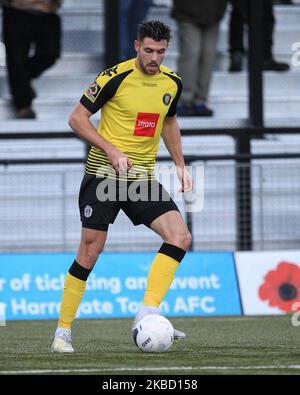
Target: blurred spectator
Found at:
x=286, y=2
x=31, y=34
x=132, y=12
x=238, y=20
x=198, y=26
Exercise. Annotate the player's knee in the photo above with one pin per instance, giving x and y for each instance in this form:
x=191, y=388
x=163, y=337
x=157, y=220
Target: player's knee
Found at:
x=182, y=240
x=187, y=241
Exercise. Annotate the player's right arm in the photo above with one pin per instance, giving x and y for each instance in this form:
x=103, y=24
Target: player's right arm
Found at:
x=102, y=90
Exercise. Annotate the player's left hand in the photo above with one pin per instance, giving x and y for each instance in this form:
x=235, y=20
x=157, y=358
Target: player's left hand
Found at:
x=186, y=180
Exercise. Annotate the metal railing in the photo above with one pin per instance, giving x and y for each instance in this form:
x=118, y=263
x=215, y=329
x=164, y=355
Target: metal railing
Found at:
x=243, y=157
x=38, y=207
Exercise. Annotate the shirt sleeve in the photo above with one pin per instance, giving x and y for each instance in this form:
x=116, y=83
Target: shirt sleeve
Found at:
x=96, y=96
x=102, y=89
x=173, y=108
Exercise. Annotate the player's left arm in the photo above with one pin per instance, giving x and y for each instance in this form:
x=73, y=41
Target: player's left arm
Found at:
x=172, y=139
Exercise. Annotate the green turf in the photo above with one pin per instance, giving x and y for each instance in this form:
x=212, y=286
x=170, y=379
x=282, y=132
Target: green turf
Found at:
x=105, y=347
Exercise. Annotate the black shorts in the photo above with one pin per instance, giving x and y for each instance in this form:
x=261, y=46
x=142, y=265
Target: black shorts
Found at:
x=101, y=199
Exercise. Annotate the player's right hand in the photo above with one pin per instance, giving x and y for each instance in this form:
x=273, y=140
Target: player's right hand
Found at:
x=120, y=162
x=125, y=165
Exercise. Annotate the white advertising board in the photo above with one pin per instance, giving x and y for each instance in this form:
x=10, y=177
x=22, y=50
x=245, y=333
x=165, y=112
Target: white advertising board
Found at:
x=269, y=281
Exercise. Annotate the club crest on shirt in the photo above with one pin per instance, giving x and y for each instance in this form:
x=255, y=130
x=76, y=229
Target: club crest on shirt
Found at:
x=93, y=91
x=167, y=99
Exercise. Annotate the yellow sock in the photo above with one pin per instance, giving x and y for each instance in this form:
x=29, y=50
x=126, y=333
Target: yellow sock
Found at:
x=72, y=295
x=161, y=274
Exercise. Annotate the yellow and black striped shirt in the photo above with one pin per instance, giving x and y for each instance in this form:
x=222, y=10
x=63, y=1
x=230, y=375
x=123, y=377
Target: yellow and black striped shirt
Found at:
x=133, y=109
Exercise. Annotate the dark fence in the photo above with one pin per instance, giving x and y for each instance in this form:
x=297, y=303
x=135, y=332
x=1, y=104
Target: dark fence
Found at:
x=240, y=180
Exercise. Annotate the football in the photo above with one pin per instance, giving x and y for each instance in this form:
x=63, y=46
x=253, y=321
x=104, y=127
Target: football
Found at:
x=153, y=333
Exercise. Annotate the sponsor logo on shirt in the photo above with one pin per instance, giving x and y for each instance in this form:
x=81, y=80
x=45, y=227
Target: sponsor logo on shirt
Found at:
x=146, y=124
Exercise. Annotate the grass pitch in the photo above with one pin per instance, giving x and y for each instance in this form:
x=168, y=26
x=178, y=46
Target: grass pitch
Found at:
x=220, y=345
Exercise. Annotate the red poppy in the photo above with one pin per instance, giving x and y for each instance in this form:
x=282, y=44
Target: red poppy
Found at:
x=282, y=286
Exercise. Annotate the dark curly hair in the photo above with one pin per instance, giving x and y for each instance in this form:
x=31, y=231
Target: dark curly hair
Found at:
x=156, y=30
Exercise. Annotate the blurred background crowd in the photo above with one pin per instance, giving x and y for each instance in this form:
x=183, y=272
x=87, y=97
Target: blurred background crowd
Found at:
x=36, y=33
